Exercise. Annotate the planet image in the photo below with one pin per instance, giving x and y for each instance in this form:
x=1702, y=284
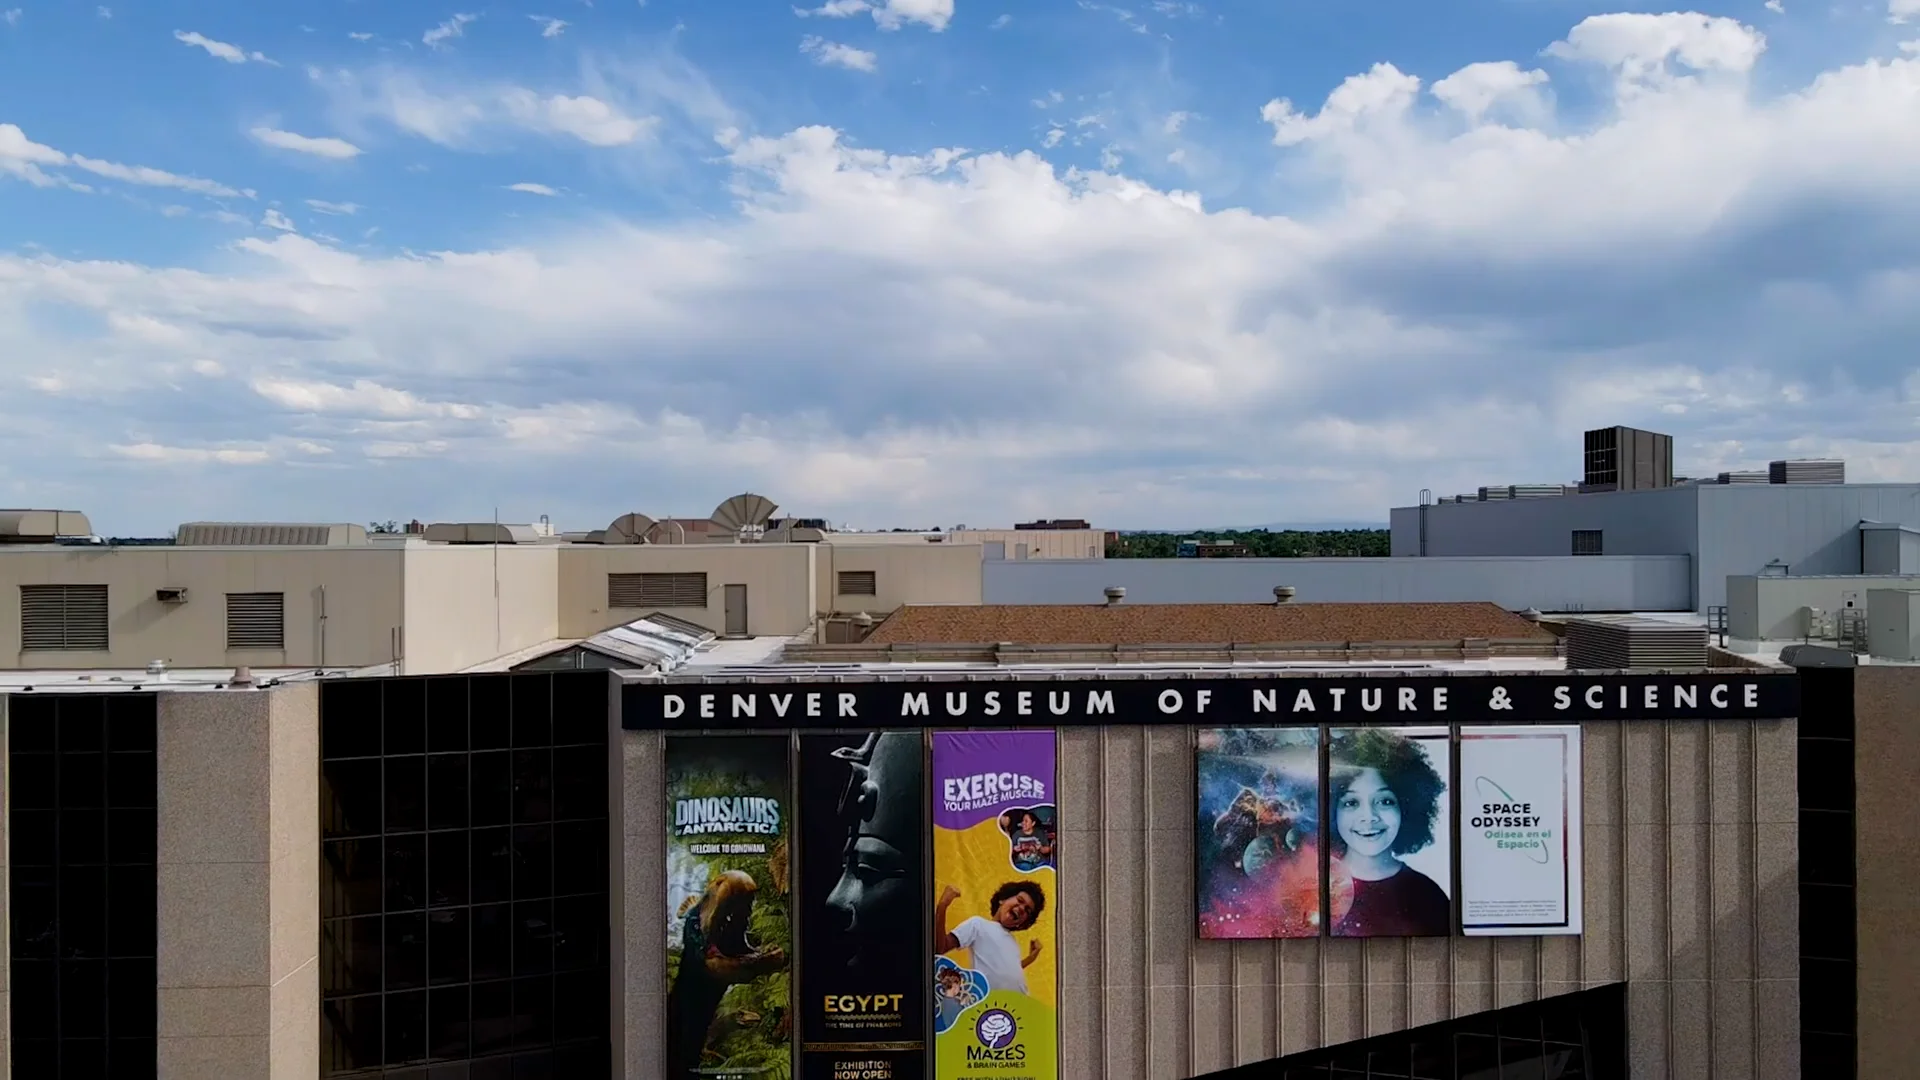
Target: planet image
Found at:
x=1257, y=855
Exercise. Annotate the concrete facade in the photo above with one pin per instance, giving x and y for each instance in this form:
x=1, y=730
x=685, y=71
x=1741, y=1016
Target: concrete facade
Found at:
x=1773, y=608
x=1728, y=529
x=1546, y=583
x=421, y=608
x=1887, y=772
x=239, y=884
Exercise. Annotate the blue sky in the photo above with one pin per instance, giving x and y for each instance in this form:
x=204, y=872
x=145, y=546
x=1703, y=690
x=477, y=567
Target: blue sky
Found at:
x=933, y=261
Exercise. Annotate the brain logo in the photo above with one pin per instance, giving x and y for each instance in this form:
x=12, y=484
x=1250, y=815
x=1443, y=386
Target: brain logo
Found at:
x=995, y=1029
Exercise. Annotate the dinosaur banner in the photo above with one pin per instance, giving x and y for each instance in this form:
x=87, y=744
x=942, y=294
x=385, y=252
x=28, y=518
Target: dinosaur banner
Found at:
x=1520, y=862
x=995, y=839
x=729, y=805
x=1257, y=848
x=863, y=906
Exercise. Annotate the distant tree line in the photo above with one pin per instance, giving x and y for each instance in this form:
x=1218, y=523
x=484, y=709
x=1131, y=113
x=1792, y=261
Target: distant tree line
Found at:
x=1259, y=543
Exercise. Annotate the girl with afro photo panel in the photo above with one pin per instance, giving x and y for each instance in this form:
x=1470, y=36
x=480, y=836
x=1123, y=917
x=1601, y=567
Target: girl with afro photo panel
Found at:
x=1386, y=796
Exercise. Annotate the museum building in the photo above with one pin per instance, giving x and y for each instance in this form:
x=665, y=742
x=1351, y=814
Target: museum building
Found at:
x=1104, y=870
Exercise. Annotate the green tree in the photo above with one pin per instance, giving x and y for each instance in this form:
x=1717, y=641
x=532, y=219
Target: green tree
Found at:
x=1260, y=543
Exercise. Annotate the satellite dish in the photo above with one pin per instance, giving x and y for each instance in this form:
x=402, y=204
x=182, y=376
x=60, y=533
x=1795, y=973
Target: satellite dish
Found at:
x=629, y=529
x=744, y=511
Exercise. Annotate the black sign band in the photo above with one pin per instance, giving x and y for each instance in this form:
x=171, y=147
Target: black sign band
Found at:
x=1471, y=699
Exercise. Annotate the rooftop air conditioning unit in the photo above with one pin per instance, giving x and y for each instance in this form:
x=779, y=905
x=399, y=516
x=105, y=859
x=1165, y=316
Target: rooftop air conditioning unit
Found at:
x=171, y=594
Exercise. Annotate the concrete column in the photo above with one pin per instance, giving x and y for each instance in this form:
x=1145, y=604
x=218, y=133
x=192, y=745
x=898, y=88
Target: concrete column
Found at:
x=640, y=874
x=6, y=921
x=239, y=864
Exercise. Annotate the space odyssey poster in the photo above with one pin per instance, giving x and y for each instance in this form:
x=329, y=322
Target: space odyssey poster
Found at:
x=727, y=923
x=863, y=906
x=995, y=980
x=1257, y=849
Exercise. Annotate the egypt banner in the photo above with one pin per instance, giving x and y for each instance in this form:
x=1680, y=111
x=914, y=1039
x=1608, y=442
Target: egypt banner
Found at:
x=1520, y=862
x=863, y=906
x=995, y=833
x=728, y=810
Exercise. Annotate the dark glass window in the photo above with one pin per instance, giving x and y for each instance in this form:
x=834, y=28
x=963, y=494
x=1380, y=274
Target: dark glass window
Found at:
x=1829, y=950
x=84, y=828
x=464, y=877
x=1578, y=1036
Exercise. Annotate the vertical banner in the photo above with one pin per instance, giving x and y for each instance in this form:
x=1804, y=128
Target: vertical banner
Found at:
x=1520, y=861
x=728, y=806
x=1257, y=851
x=863, y=906
x=1389, y=843
x=995, y=981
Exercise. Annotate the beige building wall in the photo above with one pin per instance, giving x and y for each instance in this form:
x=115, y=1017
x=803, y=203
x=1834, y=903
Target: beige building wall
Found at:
x=1040, y=543
x=780, y=580
x=468, y=604
x=929, y=574
x=1691, y=897
x=362, y=588
x=239, y=884
x=1887, y=865
x=6, y=918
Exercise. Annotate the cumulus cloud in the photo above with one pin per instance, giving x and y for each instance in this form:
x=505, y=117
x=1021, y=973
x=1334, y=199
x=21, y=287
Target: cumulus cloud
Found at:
x=27, y=160
x=274, y=219
x=888, y=14
x=321, y=146
x=1900, y=11
x=834, y=54
x=219, y=50
x=887, y=338
x=1478, y=89
x=455, y=27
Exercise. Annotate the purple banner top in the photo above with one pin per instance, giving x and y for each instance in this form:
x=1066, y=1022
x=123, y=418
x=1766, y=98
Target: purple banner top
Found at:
x=977, y=774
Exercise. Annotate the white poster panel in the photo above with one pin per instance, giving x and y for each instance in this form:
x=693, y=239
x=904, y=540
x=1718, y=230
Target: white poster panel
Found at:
x=1519, y=807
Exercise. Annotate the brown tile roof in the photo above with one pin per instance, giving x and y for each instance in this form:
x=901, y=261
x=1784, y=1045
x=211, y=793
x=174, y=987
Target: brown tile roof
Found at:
x=1170, y=624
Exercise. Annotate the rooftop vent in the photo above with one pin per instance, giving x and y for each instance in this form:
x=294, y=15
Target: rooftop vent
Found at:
x=480, y=532
x=1807, y=471
x=1628, y=644
x=268, y=534
x=42, y=526
x=1283, y=594
x=1115, y=594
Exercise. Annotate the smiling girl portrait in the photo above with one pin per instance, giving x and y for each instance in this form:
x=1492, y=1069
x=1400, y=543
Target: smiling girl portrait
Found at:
x=1389, y=864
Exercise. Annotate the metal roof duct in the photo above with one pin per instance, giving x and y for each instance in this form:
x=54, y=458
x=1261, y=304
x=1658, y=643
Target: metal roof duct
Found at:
x=1626, y=644
x=268, y=534
x=480, y=532
x=42, y=526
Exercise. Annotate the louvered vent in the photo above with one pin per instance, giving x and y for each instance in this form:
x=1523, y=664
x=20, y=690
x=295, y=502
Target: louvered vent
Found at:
x=1625, y=643
x=656, y=590
x=257, y=620
x=63, y=617
x=859, y=583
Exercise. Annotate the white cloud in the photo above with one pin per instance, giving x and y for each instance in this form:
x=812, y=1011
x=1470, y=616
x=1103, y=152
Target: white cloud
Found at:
x=338, y=209
x=1447, y=301
x=158, y=454
x=27, y=160
x=1899, y=11
x=360, y=35
x=889, y=14
x=460, y=116
x=453, y=28
x=1477, y=89
x=1643, y=49
x=834, y=54
x=11, y=16
x=103, y=11
x=274, y=219
x=1000, y=23
x=1383, y=93
x=220, y=50
x=550, y=27
x=1776, y=6
x=1174, y=122
x=529, y=188
x=318, y=146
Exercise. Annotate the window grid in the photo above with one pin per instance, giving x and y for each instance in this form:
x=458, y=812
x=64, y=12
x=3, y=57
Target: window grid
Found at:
x=63, y=618
x=1589, y=542
x=464, y=876
x=687, y=590
x=82, y=793
x=859, y=583
x=257, y=620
